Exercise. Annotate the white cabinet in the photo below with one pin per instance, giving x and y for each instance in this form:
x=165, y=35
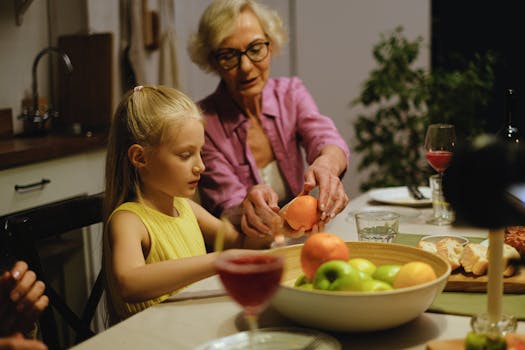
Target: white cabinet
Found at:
x=68, y=176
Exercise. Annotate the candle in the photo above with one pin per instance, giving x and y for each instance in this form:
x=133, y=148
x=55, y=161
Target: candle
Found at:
x=495, y=275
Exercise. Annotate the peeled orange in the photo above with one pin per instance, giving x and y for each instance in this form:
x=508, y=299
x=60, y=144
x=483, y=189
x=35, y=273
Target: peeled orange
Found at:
x=302, y=212
x=414, y=273
x=319, y=248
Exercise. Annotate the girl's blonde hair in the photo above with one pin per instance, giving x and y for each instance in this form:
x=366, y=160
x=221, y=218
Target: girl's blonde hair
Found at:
x=217, y=23
x=145, y=116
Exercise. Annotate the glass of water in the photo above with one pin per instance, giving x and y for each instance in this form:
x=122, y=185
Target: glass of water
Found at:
x=377, y=226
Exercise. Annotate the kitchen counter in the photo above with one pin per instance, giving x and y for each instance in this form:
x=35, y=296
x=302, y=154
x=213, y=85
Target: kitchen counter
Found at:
x=18, y=151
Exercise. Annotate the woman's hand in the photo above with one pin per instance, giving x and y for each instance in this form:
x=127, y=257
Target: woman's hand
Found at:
x=22, y=299
x=324, y=172
x=259, y=211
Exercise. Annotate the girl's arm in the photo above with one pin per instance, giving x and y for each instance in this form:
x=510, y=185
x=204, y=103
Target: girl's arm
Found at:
x=138, y=281
x=209, y=225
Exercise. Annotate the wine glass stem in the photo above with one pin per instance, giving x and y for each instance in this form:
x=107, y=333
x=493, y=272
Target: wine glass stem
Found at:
x=253, y=325
x=441, y=196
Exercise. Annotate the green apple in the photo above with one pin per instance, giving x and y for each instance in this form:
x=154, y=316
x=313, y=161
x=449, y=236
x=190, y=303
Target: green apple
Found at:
x=337, y=275
x=375, y=286
x=302, y=279
x=386, y=273
x=364, y=276
x=363, y=264
x=480, y=341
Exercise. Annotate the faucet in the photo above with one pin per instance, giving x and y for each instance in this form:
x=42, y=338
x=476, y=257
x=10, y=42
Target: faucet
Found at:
x=34, y=122
x=65, y=59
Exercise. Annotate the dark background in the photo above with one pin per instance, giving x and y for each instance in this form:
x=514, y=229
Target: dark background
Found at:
x=466, y=27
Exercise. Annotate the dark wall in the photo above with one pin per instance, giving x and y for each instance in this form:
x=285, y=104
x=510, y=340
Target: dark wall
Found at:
x=467, y=27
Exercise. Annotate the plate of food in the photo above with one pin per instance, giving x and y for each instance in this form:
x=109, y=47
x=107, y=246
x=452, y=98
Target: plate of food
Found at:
x=469, y=263
x=400, y=196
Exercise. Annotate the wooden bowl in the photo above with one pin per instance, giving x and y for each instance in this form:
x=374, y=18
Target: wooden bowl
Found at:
x=359, y=311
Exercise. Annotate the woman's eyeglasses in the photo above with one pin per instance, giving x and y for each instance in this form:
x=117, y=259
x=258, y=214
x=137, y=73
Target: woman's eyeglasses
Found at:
x=230, y=58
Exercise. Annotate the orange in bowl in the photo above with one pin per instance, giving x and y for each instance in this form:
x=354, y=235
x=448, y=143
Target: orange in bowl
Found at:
x=319, y=248
x=301, y=212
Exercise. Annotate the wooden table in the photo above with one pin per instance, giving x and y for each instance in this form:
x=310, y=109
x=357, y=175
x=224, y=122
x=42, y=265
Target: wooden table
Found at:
x=185, y=323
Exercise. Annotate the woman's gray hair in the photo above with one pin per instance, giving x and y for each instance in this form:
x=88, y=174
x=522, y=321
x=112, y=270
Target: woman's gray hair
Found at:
x=217, y=23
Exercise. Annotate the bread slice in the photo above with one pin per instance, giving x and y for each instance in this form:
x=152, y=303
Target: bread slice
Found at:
x=450, y=250
x=427, y=246
x=474, y=259
x=509, y=253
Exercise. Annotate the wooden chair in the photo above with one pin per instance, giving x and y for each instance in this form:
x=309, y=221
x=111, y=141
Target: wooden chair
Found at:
x=26, y=229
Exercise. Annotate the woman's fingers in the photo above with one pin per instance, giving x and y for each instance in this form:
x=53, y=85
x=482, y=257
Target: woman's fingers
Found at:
x=259, y=211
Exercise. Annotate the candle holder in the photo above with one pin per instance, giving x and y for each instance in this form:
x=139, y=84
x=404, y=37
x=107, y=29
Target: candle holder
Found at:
x=482, y=324
x=492, y=326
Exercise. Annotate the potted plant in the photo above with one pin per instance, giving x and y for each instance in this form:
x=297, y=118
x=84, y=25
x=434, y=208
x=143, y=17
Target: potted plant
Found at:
x=400, y=100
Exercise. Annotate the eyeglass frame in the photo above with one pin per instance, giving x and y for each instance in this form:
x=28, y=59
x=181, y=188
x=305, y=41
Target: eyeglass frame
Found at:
x=238, y=53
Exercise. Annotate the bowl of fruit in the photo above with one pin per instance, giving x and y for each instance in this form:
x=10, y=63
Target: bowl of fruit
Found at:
x=357, y=286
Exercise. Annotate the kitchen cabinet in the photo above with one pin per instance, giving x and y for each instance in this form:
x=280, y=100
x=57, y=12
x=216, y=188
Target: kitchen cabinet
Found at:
x=75, y=262
x=67, y=176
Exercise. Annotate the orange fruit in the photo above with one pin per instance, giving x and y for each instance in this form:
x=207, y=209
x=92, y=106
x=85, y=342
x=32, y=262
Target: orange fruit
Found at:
x=414, y=273
x=302, y=212
x=319, y=248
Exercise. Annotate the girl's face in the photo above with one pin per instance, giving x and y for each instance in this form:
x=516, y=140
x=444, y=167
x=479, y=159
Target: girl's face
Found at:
x=174, y=167
x=247, y=80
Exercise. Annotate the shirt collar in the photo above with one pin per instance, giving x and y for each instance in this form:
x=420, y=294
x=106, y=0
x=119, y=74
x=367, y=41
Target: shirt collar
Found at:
x=270, y=105
x=230, y=115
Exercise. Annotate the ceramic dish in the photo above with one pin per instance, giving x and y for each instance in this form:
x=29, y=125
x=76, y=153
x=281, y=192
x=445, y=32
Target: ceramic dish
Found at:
x=400, y=196
x=436, y=238
x=359, y=311
x=275, y=338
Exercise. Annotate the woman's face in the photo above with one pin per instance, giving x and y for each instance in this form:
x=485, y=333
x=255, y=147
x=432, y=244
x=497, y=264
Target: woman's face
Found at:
x=246, y=80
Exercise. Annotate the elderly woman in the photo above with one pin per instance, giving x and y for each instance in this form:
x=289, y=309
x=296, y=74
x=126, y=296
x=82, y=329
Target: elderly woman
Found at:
x=257, y=127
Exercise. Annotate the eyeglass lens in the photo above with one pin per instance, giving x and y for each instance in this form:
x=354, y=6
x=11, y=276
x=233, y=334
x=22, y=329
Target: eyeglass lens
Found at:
x=230, y=58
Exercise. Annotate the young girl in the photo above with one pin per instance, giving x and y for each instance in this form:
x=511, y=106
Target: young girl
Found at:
x=154, y=242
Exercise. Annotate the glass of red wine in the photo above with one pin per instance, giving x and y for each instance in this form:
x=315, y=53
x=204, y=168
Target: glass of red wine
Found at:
x=440, y=141
x=251, y=278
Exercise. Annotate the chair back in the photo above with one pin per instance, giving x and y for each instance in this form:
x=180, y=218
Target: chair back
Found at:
x=26, y=229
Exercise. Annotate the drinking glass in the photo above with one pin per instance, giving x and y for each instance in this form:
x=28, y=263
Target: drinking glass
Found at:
x=440, y=141
x=377, y=226
x=251, y=279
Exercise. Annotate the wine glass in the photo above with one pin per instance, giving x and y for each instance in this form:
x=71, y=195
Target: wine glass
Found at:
x=251, y=279
x=440, y=141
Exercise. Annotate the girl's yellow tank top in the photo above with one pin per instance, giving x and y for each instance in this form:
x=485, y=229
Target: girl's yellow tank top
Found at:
x=170, y=237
